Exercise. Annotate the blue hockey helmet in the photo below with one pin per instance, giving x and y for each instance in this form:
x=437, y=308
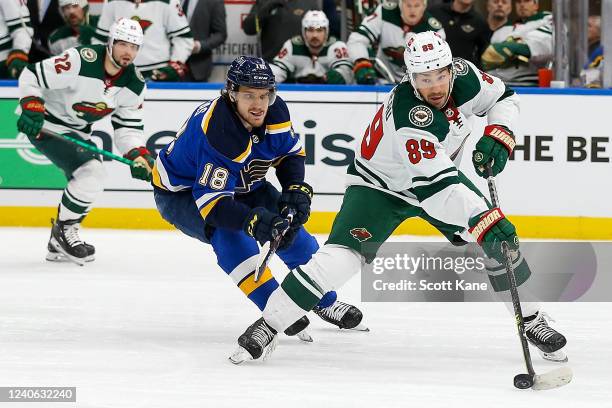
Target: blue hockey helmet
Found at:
x=250, y=71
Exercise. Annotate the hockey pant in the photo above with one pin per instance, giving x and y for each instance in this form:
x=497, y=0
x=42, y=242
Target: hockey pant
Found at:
x=83, y=170
x=237, y=252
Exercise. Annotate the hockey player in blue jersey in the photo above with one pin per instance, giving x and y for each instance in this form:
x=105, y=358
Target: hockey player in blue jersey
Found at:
x=209, y=182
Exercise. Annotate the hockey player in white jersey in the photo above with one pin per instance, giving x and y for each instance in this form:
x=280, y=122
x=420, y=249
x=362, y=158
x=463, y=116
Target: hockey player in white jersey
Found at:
x=384, y=32
x=521, y=47
x=15, y=37
x=168, y=41
x=79, y=29
x=313, y=57
x=403, y=169
x=66, y=94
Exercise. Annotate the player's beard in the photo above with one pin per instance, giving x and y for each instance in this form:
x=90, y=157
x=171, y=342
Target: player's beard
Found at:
x=438, y=100
x=123, y=60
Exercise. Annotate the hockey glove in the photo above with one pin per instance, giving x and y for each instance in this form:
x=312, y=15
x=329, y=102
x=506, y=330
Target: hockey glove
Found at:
x=502, y=54
x=264, y=225
x=32, y=116
x=296, y=199
x=364, y=72
x=494, y=146
x=334, y=77
x=491, y=228
x=143, y=163
x=172, y=73
x=395, y=54
x=17, y=60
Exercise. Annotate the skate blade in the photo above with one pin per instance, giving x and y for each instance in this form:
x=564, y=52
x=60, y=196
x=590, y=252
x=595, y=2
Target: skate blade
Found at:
x=305, y=336
x=553, y=379
x=240, y=356
x=59, y=257
x=74, y=259
x=361, y=327
x=558, y=356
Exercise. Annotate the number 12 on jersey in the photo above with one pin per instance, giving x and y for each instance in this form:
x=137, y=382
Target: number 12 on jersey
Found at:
x=417, y=150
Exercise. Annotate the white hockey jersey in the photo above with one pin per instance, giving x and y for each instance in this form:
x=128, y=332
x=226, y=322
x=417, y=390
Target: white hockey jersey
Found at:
x=77, y=92
x=15, y=28
x=385, y=30
x=296, y=63
x=167, y=36
x=537, y=32
x=408, y=148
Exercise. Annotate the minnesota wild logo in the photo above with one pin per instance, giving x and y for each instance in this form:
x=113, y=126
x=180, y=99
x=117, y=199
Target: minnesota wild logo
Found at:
x=91, y=111
x=144, y=24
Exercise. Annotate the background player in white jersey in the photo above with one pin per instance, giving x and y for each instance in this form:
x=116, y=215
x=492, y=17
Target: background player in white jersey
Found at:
x=167, y=37
x=384, y=33
x=15, y=37
x=313, y=57
x=79, y=29
x=210, y=183
x=519, y=48
x=66, y=94
x=403, y=169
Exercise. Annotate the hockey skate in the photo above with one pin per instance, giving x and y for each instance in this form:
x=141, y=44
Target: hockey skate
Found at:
x=258, y=341
x=54, y=256
x=65, y=240
x=550, y=343
x=343, y=315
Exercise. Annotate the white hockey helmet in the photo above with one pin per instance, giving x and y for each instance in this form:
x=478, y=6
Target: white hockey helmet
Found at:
x=427, y=51
x=63, y=3
x=315, y=19
x=127, y=30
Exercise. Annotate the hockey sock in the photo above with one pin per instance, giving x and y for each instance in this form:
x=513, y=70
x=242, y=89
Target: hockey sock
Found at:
x=499, y=281
x=82, y=189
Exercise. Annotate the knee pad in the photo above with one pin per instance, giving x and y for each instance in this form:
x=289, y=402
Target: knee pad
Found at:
x=87, y=180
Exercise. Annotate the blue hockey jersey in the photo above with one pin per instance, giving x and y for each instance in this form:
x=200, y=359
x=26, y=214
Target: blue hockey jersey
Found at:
x=215, y=156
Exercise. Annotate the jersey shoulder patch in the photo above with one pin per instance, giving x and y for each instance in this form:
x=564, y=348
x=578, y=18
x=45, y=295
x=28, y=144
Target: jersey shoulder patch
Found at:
x=297, y=40
x=135, y=80
x=411, y=112
x=88, y=54
x=433, y=22
x=467, y=85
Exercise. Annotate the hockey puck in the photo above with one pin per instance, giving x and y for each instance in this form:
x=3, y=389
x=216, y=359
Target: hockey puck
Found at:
x=523, y=381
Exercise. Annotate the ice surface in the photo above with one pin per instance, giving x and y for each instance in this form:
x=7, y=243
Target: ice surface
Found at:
x=152, y=321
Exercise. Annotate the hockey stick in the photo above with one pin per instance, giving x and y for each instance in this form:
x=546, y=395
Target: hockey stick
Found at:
x=91, y=148
x=552, y=379
x=269, y=249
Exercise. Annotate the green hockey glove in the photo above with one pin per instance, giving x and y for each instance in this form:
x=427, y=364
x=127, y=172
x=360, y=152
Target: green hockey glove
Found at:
x=490, y=229
x=364, y=72
x=143, y=163
x=32, y=116
x=494, y=146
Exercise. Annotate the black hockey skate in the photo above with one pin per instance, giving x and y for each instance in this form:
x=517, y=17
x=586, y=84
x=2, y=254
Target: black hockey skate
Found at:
x=548, y=341
x=54, y=256
x=343, y=315
x=65, y=240
x=258, y=340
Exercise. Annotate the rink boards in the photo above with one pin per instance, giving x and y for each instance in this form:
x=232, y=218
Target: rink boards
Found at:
x=556, y=186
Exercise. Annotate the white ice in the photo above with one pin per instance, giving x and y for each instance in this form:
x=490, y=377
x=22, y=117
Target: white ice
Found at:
x=151, y=322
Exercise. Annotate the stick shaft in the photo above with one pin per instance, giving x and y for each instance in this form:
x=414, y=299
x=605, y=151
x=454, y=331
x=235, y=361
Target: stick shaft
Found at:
x=516, y=302
x=87, y=146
